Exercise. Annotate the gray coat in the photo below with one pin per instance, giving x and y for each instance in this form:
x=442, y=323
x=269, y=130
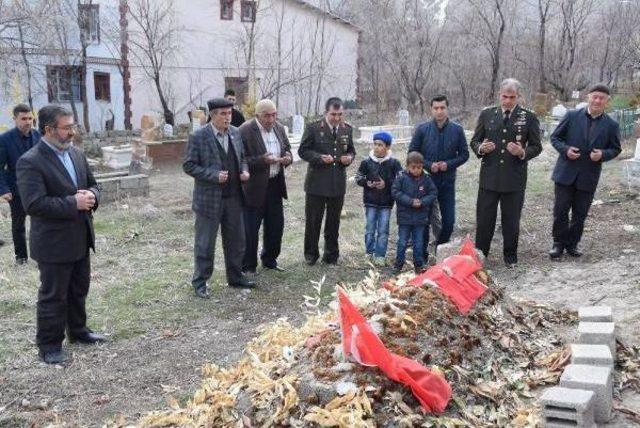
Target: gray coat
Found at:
x=202, y=161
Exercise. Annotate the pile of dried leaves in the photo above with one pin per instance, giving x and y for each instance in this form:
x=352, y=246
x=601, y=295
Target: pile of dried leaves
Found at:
x=493, y=358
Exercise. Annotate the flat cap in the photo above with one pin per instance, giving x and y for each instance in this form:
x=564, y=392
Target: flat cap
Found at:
x=215, y=103
x=600, y=88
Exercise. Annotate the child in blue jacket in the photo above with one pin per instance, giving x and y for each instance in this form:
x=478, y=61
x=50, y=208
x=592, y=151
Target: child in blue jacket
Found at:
x=376, y=174
x=414, y=193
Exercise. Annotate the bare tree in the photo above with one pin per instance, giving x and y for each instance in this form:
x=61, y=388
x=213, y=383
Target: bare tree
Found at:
x=486, y=21
x=563, y=64
x=544, y=6
x=154, y=42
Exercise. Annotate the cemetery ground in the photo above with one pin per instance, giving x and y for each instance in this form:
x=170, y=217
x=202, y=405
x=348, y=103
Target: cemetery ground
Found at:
x=161, y=335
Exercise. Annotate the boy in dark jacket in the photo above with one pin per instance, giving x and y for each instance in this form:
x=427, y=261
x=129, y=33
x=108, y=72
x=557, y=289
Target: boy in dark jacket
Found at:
x=414, y=192
x=376, y=174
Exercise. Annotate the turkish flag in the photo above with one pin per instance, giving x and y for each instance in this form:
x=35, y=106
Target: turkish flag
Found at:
x=359, y=340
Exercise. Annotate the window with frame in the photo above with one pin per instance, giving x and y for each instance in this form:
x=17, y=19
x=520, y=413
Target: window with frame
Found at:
x=226, y=10
x=102, y=86
x=248, y=11
x=89, y=17
x=64, y=83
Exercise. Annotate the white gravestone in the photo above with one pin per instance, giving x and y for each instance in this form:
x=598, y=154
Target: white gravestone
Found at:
x=298, y=125
x=558, y=111
x=403, y=117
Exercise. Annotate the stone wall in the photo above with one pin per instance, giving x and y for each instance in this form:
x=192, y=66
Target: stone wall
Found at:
x=93, y=142
x=115, y=186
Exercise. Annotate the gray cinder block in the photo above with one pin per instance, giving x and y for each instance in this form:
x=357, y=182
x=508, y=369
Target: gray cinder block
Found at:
x=567, y=407
x=595, y=314
x=592, y=378
x=598, y=333
x=591, y=355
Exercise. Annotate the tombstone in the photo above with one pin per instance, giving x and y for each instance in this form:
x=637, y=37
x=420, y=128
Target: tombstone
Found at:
x=631, y=170
x=298, y=125
x=150, y=131
x=403, y=117
x=167, y=130
x=541, y=104
x=197, y=119
x=558, y=111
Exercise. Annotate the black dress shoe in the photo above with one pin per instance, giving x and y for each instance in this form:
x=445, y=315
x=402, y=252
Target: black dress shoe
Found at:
x=202, y=293
x=54, y=357
x=556, y=250
x=89, y=338
x=242, y=283
x=574, y=252
x=310, y=261
x=510, y=261
x=274, y=267
x=330, y=261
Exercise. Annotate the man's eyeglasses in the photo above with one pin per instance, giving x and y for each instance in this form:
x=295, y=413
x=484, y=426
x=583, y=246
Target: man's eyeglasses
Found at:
x=67, y=128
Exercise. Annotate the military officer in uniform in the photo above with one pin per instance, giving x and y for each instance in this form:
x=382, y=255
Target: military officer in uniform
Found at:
x=505, y=139
x=327, y=145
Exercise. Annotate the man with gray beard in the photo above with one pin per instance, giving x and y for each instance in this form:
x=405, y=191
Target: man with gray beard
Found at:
x=60, y=194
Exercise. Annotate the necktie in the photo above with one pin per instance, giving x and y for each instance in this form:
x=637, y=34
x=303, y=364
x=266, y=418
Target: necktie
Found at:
x=506, y=117
x=335, y=133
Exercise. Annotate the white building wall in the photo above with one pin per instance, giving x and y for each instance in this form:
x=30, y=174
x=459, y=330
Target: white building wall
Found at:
x=212, y=49
x=102, y=58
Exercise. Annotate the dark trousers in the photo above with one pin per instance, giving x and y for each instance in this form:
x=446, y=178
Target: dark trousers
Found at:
x=486, y=213
x=61, y=302
x=272, y=213
x=447, y=202
x=569, y=198
x=314, y=209
x=231, y=226
x=18, y=217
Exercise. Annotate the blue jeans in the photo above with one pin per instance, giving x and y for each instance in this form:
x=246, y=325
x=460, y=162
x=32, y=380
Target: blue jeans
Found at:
x=416, y=233
x=376, y=235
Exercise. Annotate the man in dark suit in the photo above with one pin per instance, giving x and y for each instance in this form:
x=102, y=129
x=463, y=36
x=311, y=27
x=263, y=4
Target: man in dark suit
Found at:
x=59, y=193
x=237, y=118
x=13, y=144
x=444, y=148
x=506, y=138
x=327, y=145
x=268, y=152
x=215, y=159
x=584, y=139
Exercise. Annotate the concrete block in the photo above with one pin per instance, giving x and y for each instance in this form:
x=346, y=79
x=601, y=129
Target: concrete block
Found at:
x=591, y=355
x=592, y=378
x=553, y=423
x=598, y=333
x=568, y=407
x=595, y=314
x=130, y=182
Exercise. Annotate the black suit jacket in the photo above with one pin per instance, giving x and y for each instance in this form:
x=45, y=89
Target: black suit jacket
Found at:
x=254, y=148
x=500, y=171
x=572, y=131
x=59, y=232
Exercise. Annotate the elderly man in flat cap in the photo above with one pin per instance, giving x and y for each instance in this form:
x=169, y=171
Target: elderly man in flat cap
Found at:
x=584, y=139
x=215, y=159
